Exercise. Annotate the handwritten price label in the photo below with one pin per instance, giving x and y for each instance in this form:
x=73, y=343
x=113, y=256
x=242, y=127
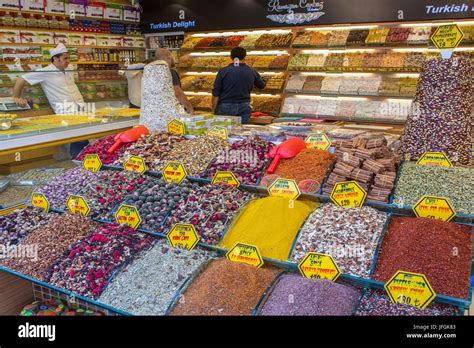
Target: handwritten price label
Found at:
x=411, y=289
x=245, y=253
x=135, y=164
x=40, y=201
x=183, y=236
x=348, y=194
x=435, y=208
x=319, y=266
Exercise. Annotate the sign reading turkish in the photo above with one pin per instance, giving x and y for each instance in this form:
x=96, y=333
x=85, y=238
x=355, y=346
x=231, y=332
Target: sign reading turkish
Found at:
x=447, y=37
x=348, y=194
x=435, y=208
x=135, y=164
x=411, y=289
x=245, y=253
x=176, y=127
x=434, y=159
x=128, y=215
x=318, y=141
x=40, y=201
x=284, y=188
x=227, y=178
x=319, y=266
x=183, y=236
x=77, y=205
x=174, y=172
x=92, y=163
x=220, y=132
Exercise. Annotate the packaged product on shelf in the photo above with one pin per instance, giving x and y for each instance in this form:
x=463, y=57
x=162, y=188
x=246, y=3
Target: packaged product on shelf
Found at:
x=346, y=109
x=210, y=209
x=70, y=182
x=246, y=159
x=225, y=288
x=190, y=42
x=408, y=86
x=357, y=37
x=373, y=60
x=338, y=37
x=370, y=85
x=275, y=83
x=308, y=164
x=269, y=105
x=303, y=38
x=350, y=235
x=327, y=107
x=107, y=247
x=233, y=41
x=17, y=225
x=377, y=303
x=435, y=242
x=331, y=84
x=468, y=31
x=299, y=61
x=268, y=214
x=155, y=199
x=316, y=61
x=262, y=62
x=398, y=35
x=297, y=296
x=389, y=86
x=416, y=181
x=377, y=36
x=350, y=85
x=52, y=240
x=204, y=42
x=10, y=36
x=292, y=105
x=419, y=35
x=305, y=106
x=393, y=60
x=249, y=41
x=444, y=101
x=131, y=289
x=279, y=62
x=335, y=60
x=311, y=83
x=218, y=41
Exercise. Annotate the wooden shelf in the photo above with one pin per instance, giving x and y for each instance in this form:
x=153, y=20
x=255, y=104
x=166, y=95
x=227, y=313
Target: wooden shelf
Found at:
x=63, y=31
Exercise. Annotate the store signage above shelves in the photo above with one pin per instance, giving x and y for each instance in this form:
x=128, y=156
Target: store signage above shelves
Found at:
x=188, y=15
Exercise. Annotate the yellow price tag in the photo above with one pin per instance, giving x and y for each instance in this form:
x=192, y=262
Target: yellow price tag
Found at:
x=435, y=208
x=447, y=37
x=39, y=200
x=176, y=127
x=245, y=253
x=135, y=164
x=318, y=141
x=284, y=188
x=434, y=159
x=183, y=236
x=411, y=289
x=174, y=172
x=128, y=215
x=319, y=266
x=348, y=194
x=77, y=205
x=227, y=178
x=220, y=132
x=92, y=163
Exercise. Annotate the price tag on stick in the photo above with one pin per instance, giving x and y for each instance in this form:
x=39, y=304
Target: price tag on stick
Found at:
x=227, y=178
x=319, y=266
x=128, y=215
x=176, y=127
x=245, y=253
x=411, y=289
x=183, y=236
x=174, y=172
x=434, y=159
x=435, y=208
x=40, y=201
x=92, y=163
x=348, y=194
x=285, y=188
x=135, y=164
x=318, y=141
x=77, y=205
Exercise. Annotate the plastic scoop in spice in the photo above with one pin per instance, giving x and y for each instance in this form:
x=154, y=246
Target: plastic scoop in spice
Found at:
x=288, y=149
x=129, y=136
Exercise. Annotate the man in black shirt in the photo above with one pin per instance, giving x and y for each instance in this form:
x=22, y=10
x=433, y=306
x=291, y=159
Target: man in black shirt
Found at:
x=233, y=85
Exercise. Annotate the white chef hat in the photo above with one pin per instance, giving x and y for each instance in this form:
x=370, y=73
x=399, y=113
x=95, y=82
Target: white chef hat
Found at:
x=58, y=50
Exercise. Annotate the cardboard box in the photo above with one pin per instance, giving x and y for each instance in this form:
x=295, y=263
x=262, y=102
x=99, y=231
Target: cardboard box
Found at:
x=9, y=36
x=113, y=12
x=55, y=7
x=75, y=39
x=90, y=40
x=95, y=11
x=61, y=38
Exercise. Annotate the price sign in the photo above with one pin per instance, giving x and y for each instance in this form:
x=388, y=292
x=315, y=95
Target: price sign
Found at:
x=411, y=289
x=77, y=205
x=40, y=201
x=348, y=194
x=319, y=266
x=92, y=163
x=135, y=164
x=318, y=141
x=128, y=215
x=220, y=132
x=434, y=159
x=227, y=178
x=176, y=127
x=183, y=236
x=447, y=37
x=435, y=208
x=245, y=253
x=284, y=188
x=174, y=172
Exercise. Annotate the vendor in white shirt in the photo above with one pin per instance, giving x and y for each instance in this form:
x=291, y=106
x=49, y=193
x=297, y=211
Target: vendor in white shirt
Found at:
x=58, y=86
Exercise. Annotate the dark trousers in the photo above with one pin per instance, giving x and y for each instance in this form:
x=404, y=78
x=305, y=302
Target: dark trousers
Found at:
x=244, y=110
x=76, y=148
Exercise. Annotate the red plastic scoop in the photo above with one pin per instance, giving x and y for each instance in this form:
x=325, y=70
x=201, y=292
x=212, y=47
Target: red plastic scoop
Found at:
x=287, y=149
x=129, y=136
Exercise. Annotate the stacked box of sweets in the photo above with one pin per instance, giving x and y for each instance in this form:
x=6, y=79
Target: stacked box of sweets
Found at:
x=367, y=160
